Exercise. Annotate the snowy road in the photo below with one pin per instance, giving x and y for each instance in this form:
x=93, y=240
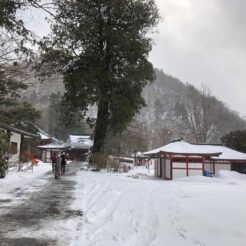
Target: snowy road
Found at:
x=26, y=222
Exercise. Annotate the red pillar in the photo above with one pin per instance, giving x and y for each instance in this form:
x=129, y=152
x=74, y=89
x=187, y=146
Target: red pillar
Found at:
x=171, y=167
x=187, y=166
x=213, y=168
x=203, y=166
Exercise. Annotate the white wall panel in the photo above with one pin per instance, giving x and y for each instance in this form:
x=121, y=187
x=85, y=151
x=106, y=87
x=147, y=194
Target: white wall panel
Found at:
x=195, y=165
x=16, y=138
x=168, y=169
x=179, y=173
x=179, y=165
x=208, y=167
x=195, y=172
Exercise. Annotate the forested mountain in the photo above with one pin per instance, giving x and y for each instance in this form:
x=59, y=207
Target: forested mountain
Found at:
x=173, y=110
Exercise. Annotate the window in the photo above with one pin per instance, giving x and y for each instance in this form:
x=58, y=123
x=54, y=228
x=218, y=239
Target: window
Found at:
x=13, y=148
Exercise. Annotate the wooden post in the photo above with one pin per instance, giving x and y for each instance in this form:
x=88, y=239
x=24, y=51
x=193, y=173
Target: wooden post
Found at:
x=187, y=166
x=203, y=166
x=213, y=168
x=171, y=167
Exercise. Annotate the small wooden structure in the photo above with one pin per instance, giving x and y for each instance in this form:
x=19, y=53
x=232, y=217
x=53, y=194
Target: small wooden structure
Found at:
x=181, y=159
x=49, y=149
x=140, y=159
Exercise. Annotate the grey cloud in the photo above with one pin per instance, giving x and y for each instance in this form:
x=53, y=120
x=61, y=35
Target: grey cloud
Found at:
x=204, y=42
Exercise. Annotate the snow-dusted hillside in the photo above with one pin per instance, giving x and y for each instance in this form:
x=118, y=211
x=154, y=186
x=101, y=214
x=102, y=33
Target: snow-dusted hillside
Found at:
x=164, y=115
x=169, y=105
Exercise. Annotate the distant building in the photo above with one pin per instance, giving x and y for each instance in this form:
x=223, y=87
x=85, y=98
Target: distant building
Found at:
x=181, y=159
x=48, y=150
x=16, y=140
x=140, y=159
x=79, y=147
x=76, y=148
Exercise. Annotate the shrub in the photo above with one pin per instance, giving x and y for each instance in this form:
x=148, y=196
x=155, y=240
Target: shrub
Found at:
x=99, y=160
x=3, y=151
x=113, y=164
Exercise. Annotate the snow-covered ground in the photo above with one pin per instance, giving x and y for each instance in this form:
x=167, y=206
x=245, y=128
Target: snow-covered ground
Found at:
x=28, y=180
x=120, y=209
x=136, y=209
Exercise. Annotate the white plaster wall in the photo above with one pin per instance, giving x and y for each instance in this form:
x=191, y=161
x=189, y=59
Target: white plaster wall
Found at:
x=195, y=172
x=43, y=155
x=195, y=165
x=157, y=167
x=179, y=173
x=48, y=154
x=168, y=168
x=222, y=167
x=162, y=168
x=16, y=138
x=208, y=167
x=179, y=165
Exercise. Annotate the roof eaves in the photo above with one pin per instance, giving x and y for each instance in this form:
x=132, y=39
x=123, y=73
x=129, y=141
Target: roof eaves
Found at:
x=13, y=129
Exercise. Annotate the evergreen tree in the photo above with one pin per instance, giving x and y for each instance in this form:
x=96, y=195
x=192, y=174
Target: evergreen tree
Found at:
x=101, y=48
x=235, y=140
x=60, y=126
x=13, y=37
x=11, y=110
x=3, y=150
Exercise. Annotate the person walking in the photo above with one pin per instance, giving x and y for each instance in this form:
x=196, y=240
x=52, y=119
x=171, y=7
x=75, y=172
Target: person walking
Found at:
x=63, y=163
x=53, y=160
x=58, y=167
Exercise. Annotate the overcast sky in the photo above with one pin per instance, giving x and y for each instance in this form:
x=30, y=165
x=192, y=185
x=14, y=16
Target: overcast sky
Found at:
x=205, y=42
x=200, y=42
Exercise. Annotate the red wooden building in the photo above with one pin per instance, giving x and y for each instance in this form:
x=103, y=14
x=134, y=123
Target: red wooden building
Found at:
x=180, y=159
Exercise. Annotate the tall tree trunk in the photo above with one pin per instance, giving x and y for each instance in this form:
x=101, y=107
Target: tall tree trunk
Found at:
x=101, y=126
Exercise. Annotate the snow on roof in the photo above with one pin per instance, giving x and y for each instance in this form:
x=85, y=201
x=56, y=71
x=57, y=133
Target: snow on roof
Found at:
x=43, y=135
x=216, y=152
x=227, y=153
x=139, y=154
x=80, y=141
x=77, y=138
x=54, y=146
x=182, y=147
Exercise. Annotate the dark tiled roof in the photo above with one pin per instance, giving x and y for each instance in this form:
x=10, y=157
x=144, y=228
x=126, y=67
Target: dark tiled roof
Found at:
x=13, y=129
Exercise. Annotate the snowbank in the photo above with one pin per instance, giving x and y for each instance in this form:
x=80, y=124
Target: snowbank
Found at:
x=232, y=177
